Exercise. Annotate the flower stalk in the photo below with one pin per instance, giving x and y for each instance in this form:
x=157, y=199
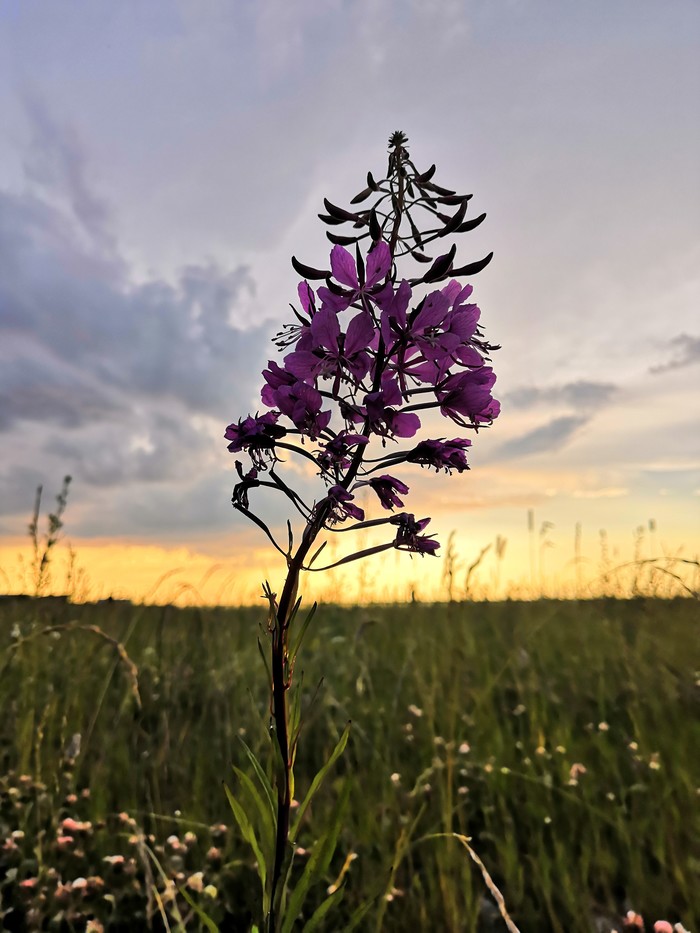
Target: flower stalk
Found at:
x=365, y=344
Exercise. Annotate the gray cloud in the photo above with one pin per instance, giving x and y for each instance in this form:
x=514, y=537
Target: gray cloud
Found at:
x=56, y=161
x=687, y=352
x=121, y=383
x=544, y=439
x=582, y=394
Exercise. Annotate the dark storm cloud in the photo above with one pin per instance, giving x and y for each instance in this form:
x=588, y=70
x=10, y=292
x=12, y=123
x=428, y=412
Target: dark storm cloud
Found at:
x=582, y=394
x=547, y=438
x=687, y=352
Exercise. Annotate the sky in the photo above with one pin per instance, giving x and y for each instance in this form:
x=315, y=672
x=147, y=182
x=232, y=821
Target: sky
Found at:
x=161, y=162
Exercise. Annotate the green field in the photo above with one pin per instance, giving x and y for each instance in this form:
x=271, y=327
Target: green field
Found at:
x=562, y=737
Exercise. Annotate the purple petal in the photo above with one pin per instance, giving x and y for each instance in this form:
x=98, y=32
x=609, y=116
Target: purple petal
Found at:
x=378, y=263
x=325, y=329
x=306, y=297
x=405, y=425
x=360, y=333
x=343, y=267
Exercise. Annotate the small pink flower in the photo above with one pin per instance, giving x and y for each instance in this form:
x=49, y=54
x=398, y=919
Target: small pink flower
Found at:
x=663, y=926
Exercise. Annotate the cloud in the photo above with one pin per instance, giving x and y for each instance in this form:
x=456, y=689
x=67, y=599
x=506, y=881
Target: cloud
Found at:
x=55, y=161
x=125, y=385
x=544, y=439
x=687, y=352
x=582, y=394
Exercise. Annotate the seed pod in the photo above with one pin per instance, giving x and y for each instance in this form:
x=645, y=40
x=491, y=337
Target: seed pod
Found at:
x=362, y=196
x=470, y=224
x=308, y=272
x=473, y=267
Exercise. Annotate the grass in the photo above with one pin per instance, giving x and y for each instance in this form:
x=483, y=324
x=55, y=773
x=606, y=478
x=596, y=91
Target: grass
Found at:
x=561, y=737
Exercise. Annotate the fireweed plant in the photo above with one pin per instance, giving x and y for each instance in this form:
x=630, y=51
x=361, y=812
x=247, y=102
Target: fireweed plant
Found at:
x=369, y=353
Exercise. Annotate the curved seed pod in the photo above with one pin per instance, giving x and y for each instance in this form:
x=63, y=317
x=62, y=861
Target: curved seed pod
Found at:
x=415, y=231
x=375, y=230
x=362, y=196
x=308, y=272
x=360, y=265
x=454, y=198
x=470, y=224
x=327, y=219
x=426, y=176
x=420, y=257
x=338, y=212
x=334, y=287
x=473, y=267
x=455, y=220
x=341, y=240
x=441, y=266
x=438, y=189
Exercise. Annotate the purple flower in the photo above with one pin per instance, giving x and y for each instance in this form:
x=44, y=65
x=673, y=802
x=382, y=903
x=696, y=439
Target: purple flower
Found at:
x=275, y=377
x=386, y=488
x=332, y=353
x=302, y=404
x=343, y=506
x=383, y=417
x=344, y=267
x=441, y=454
x=336, y=451
x=469, y=394
x=256, y=434
x=408, y=537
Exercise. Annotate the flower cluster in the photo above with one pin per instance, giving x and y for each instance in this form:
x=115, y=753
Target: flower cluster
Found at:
x=368, y=357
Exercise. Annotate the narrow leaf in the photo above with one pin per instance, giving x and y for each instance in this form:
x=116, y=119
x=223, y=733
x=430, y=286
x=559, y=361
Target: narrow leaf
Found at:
x=302, y=631
x=266, y=818
x=248, y=833
x=318, y=862
x=317, y=552
x=319, y=778
x=314, y=922
x=261, y=776
x=420, y=257
x=371, y=182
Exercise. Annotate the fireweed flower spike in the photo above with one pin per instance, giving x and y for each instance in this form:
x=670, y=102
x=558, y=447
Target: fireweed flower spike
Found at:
x=384, y=336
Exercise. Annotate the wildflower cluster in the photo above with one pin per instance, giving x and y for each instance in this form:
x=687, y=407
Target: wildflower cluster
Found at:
x=370, y=354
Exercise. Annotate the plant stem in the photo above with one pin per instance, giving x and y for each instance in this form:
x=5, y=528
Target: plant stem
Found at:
x=280, y=710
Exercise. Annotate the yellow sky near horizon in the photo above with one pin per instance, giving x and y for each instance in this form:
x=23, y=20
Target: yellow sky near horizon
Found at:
x=560, y=551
